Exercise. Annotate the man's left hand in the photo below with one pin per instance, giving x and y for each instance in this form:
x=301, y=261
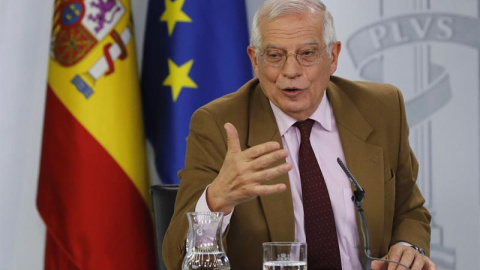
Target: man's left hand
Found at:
x=405, y=255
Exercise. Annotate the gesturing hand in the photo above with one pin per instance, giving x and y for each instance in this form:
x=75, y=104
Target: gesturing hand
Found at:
x=407, y=256
x=243, y=172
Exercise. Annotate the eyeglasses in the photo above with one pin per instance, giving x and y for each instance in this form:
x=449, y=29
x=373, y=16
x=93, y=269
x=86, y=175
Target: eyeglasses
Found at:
x=277, y=57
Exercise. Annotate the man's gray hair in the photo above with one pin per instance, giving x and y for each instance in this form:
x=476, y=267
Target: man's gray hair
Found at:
x=272, y=9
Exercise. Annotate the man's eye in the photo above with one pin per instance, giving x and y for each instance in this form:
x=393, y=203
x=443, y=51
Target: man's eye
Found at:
x=307, y=53
x=274, y=55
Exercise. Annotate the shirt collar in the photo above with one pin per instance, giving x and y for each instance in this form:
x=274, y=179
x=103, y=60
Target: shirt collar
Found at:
x=322, y=115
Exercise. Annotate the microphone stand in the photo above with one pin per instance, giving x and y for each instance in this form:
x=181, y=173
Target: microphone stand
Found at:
x=358, y=198
x=366, y=236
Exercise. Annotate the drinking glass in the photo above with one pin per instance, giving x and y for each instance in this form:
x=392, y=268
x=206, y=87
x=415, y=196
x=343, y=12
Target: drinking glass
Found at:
x=284, y=256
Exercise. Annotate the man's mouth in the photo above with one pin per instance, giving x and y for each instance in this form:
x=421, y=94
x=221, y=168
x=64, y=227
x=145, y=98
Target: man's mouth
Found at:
x=291, y=89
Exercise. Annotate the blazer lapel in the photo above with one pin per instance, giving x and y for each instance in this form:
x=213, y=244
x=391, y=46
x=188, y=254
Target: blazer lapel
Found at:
x=278, y=208
x=364, y=160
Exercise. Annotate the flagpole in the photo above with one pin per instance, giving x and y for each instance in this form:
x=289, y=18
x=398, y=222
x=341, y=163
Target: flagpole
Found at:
x=478, y=53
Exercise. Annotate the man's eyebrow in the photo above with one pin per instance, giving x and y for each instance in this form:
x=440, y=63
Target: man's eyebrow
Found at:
x=308, y=43
x=270, y=46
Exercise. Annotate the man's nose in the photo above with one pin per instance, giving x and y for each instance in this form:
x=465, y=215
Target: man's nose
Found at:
x=291, y=68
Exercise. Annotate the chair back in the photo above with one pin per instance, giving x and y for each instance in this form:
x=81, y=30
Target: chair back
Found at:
x=163, y=202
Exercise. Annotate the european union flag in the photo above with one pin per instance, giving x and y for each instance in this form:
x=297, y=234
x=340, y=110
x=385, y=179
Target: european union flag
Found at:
x=195, y=51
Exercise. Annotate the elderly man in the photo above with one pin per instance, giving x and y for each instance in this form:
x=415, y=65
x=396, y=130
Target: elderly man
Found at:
x=266, y=155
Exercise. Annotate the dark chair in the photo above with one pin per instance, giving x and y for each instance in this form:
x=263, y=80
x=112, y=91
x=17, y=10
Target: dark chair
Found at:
x=163, y=201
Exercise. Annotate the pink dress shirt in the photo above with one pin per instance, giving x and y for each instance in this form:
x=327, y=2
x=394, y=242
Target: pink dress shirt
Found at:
x=326, y=144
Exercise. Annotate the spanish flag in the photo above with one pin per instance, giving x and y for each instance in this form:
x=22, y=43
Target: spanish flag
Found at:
x=93, y=184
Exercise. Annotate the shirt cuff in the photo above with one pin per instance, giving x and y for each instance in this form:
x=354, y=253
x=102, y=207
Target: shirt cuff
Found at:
x=202, y=206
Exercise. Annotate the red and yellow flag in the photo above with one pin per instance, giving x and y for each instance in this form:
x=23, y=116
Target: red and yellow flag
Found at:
x=93, y=186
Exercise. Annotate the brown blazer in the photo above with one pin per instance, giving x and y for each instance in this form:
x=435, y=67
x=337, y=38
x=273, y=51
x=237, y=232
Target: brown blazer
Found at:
x=374, y=134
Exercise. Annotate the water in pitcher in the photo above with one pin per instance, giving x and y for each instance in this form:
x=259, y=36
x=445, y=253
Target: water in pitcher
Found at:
x=206, y=261
x=284, y=265
x=204, y=243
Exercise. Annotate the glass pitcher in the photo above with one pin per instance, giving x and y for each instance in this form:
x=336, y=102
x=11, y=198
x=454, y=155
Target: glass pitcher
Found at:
x=204, y=249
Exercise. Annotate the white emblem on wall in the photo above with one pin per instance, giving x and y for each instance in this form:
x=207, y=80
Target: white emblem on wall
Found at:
x=411, y=48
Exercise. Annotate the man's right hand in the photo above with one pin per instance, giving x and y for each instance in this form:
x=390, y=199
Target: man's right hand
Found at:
x=243, y=172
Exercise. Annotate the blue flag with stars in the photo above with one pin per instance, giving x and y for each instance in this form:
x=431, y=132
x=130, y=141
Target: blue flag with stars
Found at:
x=194, y=52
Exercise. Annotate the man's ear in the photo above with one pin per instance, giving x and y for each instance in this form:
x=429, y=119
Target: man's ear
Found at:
x=253, y=59
x=336, y=48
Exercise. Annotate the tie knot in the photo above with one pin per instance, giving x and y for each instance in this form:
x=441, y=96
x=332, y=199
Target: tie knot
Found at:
x=305, y=128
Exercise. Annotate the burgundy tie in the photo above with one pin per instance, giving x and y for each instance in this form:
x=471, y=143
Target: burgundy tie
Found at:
x=320, y=231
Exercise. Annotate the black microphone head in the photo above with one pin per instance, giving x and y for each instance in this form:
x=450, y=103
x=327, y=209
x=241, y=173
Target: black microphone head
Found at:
x=359, y=193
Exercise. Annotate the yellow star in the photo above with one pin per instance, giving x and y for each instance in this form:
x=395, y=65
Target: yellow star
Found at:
x=173, y=13
x=178, y=78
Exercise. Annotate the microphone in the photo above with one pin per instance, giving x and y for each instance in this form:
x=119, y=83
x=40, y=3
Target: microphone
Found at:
x=358, y=198
x=359, y=193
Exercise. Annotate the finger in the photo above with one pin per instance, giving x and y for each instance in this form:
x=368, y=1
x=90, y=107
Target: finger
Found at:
x=379, y=265
x=271, y=173
x=418, y=262
x=263, y=190
x=394, y=254
x=408, y=257
x=233, y=143
x=429, y=265
x=260, y=150
x=264, y=161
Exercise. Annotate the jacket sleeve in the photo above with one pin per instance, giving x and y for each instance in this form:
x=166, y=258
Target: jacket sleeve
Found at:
x=411, y=219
